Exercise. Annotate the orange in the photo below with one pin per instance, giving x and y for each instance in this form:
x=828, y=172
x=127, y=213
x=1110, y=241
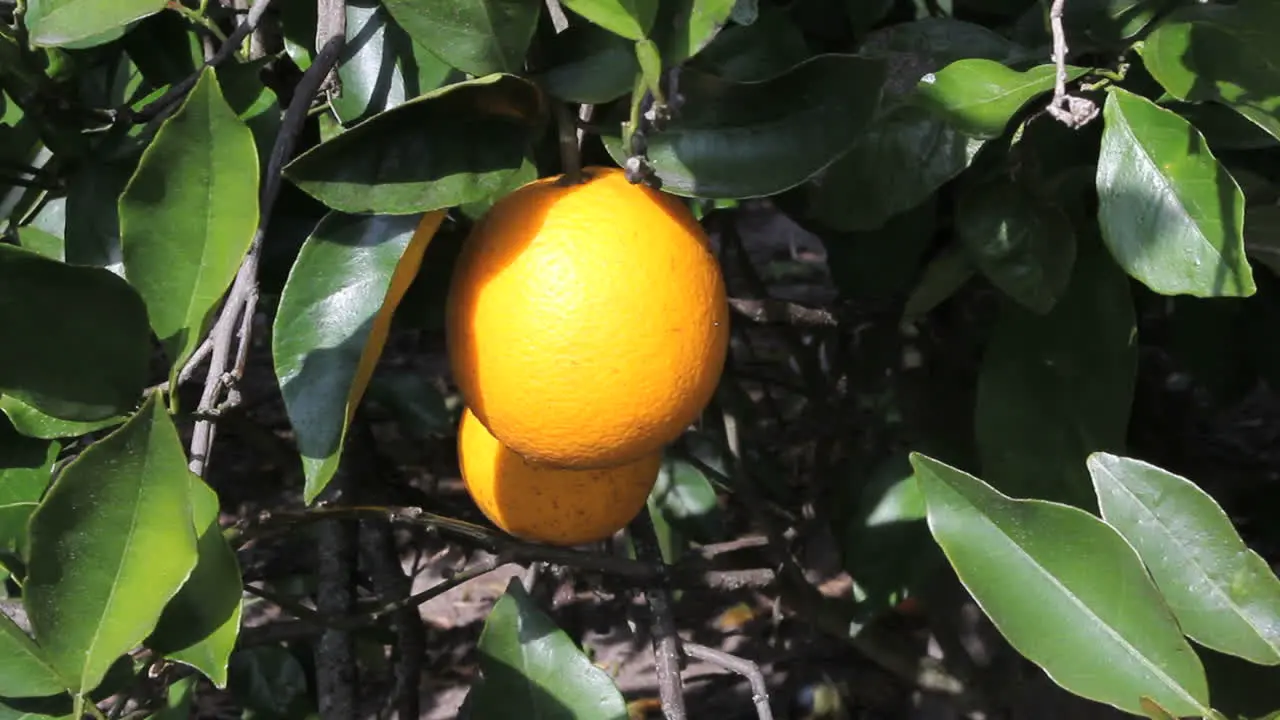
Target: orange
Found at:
x=587, y=323
x=550, y=505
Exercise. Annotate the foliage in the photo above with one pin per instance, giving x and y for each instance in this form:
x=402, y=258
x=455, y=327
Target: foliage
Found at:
x=1002, y=260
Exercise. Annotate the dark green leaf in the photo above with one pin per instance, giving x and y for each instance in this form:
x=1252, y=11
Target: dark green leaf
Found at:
x=914, y=49
x=1024, y=245
x=478, y=37
x=1221, y=52
x=388, y=165
x=381, y=66
x=67, y=22
x=757, y=51
x=1108, y=22
x=200, y=625
x=1262, y=235
x=588, y=64
x=33, y=423
x=46, y=708
x=893, y=166
x=684, y=27
x=885, y=261
x=979, y=97
x=23, y=670
x=1223, y=594
x=253, y=102
x=333, y=318
x=524, y=655
x=26, y=466
x=1223, y=128
x=685, y=499
x=1054, y=388
x=1028, y=560
x=73, y=340
x=630, y=19
x=188, y=215
x=945, y=274
x=738, y=140
x=1170, y=213
x=416, y=402
x=93, y=220
x=111, y=543
x=269, y=680
x=178, y=700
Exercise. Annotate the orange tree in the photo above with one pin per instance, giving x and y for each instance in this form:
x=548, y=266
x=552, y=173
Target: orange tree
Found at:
x=229, y=227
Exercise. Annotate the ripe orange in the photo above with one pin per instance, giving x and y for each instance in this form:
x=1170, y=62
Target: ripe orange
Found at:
x=550, y=505
x=587, y=323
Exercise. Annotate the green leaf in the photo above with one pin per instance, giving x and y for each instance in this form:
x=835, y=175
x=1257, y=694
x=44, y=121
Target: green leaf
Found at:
x=33, y=423
x=26, y=467
x=893, y=166
x=1023, y=244
x=111, y=543
x=979, y=96
x=1170, y=213
x=930, y=44
x=381, y=66
x=1054, y=388
x=387, y=165
x=66, y=22
x=758, y=51
x=1205, y=52
x=74, y=341
x=1223, y=594
x=1262, y=235
x=415, y=401
x=650, y=61
x=270, y=681
x=23, y=670
x=945, y=274
x=684, y=27
x=687, y=501
x=1028, y=561
x=200, y=625
x=587, y=64
x=178, y=700
x=738, y=140
x=93, y=221
x=884, y=262
x=41, y=242
x=629, y=18
x=188, y=215
x=332, y=322
x=253, y=102
x=524, y=655
x=478, y=37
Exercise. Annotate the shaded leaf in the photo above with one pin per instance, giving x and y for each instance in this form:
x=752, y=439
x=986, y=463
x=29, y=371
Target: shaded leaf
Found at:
x=1024, y=245
x=200, y=625
x=270, y=680
x=93, y=221
x=737, y=140
x=74, y=341
x=1262, y=235
x=630, y=19
x=588, y=64
x=478, y=37
x=68, y=22
x=1170, y=213
x=524, y=655
x=758, y=51
x=111, y=543
x=1223, y=594
x=41, y=242
x=416, y=402
x=188, y=215
x=885, y=261
x=333, y=318
x=945, y=274
x=685, y=499
x=178, y=700
x=684, y=27
x=253, y=102
x=1054, y=388
x=979, y=97
x=1027, y=560
x=33, y=423
x=26, y=467
x=387, y=165
x=23, y=670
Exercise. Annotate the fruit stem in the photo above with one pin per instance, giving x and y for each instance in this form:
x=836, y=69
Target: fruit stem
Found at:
x=570, y=156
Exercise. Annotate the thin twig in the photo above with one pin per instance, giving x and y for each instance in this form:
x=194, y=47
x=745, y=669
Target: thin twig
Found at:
x=331, y=29
x=742, y=666
x=782, y=312
x=1072, y=111
x=178, y=91
x=666, y=643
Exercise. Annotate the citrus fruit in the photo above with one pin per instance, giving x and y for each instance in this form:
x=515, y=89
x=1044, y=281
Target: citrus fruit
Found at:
x=550, y=505
x=587, y=322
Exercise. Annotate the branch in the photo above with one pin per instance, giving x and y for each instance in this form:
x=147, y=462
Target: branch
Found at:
x=782, y=312
x=331, y=31
x=742, y=666
x=666, y=643
x=1074, y=112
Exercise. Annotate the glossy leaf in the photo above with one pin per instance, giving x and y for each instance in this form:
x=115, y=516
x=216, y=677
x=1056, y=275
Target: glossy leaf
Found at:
x=200, y=625
x=630, y=19
x=930, y=44
x=758, y=51
x=68, y=22
x=737, y=140
x=1054, y=388
x=1027, y=560
x=26, y=467
x=90, y=360
x=387, y=165
x=188, y=215
x=1023, y=244
x=1224, y=595
x=23, y=669
x=683, y=28
x=381, y=66
x=588, y=64
x=524, y=655
x=332, y=322
x=478, y=37
x=33, y=423
x=1204, y=52
x=895, y=165
x=111, y=543
x=1170, y=213
x=979, y=97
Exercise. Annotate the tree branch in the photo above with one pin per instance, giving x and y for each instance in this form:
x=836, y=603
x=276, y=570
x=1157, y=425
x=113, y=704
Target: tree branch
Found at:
x=1072, y=111
x=666, y=642
x=742, y=666
x=782, y=312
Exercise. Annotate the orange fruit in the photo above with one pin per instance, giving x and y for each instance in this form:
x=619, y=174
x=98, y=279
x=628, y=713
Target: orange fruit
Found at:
x=587, y=323
x=550, y=505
